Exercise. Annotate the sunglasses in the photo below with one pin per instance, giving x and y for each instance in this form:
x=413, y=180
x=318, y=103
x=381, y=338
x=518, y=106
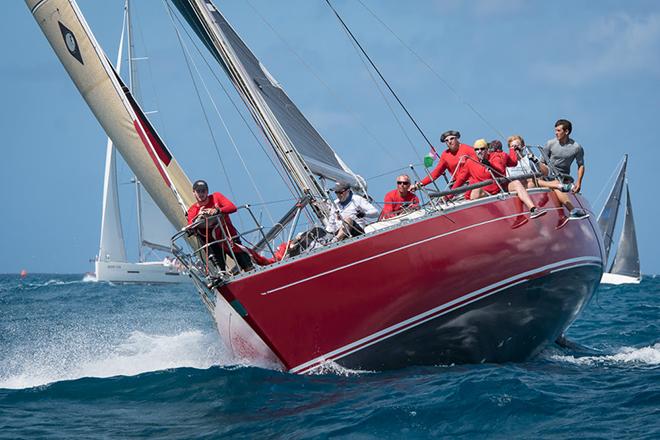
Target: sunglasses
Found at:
x=403, y=183
x=450, y=138
x=516, y=145
x=480, y=149
x=340, y=192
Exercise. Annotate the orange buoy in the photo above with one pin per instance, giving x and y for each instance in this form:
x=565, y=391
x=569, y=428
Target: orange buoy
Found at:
x=23, y=273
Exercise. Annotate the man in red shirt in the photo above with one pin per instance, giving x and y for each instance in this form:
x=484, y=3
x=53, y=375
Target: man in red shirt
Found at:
x=215, y=209
x=399, y=198
x=491, y=166
x=456, y=154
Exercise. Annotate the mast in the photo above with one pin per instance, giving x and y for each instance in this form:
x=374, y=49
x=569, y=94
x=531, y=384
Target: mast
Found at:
x=131, y=87
x=138, y=198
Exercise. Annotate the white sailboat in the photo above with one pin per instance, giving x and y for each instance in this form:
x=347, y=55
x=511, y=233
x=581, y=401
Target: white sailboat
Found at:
x=153, y=229
x=625, y=268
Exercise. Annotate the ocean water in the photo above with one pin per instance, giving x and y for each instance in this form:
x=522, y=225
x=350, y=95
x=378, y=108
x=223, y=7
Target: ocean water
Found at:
x=90, y=360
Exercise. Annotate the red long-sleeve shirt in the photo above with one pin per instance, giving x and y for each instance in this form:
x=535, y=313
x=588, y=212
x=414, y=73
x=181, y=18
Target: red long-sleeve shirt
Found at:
x=511, y=159
x=215, y=200
x=475, y=172
x=448, y=162
x=394, y=202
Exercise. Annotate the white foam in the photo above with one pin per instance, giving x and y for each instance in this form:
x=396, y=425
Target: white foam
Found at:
x=333, y=368
x=139, y=353
x=626, y=355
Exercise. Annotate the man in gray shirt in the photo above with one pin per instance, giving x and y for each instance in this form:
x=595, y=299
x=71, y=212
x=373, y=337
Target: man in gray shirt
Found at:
x=560, y=153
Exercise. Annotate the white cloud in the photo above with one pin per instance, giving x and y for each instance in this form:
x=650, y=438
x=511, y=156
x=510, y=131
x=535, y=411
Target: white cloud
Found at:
x=613, y=46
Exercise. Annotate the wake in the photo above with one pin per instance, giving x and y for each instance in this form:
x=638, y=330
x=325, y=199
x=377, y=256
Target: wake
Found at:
x=139, y=353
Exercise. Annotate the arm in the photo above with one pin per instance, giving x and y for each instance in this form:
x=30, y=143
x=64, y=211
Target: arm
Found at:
x=578, y=184
x=223, y=204
x=368, y=209
x=546, y=153
x=388, y=206
x=462, y=175
x=580, y=161
x=437, y=171
x=512, y=158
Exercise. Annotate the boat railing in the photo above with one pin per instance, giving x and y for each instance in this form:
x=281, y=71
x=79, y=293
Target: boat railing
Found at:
x=194, y=244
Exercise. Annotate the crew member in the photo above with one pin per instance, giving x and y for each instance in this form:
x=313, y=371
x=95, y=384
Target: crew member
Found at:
x=217, y=227
x=399, y=198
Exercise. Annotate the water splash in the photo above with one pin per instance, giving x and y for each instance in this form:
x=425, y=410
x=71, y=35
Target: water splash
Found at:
x=645, y=356
x=139, y=353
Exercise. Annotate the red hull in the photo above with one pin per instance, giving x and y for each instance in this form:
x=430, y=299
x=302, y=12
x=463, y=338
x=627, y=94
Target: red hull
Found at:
x=332, y=304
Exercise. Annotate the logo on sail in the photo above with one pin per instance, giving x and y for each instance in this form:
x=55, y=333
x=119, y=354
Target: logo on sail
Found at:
x=71, y=42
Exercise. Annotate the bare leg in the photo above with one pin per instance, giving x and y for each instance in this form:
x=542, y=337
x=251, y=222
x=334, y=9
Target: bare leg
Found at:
x=523, y=195
x=477, y=194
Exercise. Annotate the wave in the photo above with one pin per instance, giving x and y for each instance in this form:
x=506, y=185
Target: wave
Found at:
x=26, y=286
x=139, y=353
x=644, y=356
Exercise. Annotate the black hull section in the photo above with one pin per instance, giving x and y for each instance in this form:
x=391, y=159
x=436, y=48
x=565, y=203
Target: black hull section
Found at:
x=511, y=325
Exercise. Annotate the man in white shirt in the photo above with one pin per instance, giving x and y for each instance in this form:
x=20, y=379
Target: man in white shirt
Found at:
x=351, y=210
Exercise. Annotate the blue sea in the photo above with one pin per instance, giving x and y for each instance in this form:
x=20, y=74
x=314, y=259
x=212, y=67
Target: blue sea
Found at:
x=95, y=360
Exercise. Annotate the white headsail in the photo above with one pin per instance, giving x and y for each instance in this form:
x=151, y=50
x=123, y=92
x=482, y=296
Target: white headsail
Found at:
x=114, y=107
x=607, y=217
x=626, y=259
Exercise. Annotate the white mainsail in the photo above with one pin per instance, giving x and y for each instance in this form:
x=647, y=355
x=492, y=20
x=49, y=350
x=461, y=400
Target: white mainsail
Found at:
x=300, y=148
x=114, y=107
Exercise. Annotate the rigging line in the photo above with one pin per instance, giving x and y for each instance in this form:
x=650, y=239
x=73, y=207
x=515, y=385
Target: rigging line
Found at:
x=186, y=56
x=443, y=80
x=285, y=178
x=163, y=125
x=229, y=135
x=607, y=184
x=387, y=102
x=381, y=77
x=388, y=172
x=323, y=83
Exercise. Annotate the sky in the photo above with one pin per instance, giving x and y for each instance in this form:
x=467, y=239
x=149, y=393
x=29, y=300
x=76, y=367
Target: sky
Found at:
x=487, y=68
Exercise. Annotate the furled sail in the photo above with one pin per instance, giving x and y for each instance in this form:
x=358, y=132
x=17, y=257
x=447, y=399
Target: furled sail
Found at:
x=607, y=217
x=626, y=259
x=114, y=107
x=282, y=122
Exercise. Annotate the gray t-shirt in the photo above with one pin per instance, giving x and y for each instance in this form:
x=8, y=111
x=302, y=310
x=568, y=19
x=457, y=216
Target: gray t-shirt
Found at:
x=562, y=156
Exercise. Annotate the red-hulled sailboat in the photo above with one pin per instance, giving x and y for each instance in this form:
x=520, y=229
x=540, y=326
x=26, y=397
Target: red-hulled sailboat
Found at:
x=454, y=282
